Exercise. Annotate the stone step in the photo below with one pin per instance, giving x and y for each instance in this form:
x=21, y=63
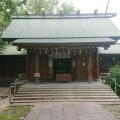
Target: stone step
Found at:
x=63, y=97
x=65, y=92
x=101, y=101
x=62, y=87
x=20, y=90
x=68, y=94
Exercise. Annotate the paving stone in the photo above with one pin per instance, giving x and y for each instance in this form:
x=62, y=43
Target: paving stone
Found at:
x=97, y=117
x=83, y=114
x=57, y=107
x=46, y=111
x=48, y=104
x=30, y=119
x=84, y=118
x=57, y=113
x=62, y=118
x=41, y=104
x=71, y=119
x=44, y=117
x=34, y=113
x=69, y=111
x=57, y=103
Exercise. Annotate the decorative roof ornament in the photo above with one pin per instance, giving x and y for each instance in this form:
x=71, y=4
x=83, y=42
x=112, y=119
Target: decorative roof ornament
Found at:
x=78, y=11
x=26, y=11
x=95, y=11
x=43, y=11
x=61, y=11
x=21, y=3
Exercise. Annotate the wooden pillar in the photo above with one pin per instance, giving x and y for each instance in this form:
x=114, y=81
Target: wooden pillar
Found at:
x=27, y=66
x=37, y=74
x=89, y=66
x=97, y=63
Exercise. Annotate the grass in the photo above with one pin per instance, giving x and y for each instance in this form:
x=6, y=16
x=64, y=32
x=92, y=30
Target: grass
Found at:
x=15, y=112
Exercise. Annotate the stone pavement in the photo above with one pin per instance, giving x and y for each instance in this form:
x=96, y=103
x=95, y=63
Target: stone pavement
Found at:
x=69, y=111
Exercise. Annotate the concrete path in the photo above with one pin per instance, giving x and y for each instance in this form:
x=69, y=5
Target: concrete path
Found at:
x=69, y=111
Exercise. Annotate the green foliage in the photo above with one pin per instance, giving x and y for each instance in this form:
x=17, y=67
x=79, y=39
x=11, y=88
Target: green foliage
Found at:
x=115, y=73
x=7, y=8
x=2, y=45
x=35, y=6
x=107, y=80
x=50, y=6
x=15, y=112
x=68, y=8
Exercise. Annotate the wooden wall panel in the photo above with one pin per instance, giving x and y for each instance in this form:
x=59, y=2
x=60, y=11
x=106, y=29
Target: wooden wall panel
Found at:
x=44, y=69
x=95, y=63
x=74, y=68
x=78, y=66
x=81, y=66
x=79, y=69
x=31, y=66
x=84, y=66
x=12, y=65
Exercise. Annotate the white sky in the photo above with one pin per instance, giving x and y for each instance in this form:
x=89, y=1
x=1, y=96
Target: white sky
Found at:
x=88, y=6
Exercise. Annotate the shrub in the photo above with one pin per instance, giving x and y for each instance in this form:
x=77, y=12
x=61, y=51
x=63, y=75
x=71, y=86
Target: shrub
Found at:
x=115, y=73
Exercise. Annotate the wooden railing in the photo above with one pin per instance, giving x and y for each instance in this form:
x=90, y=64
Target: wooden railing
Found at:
x=13, y=87
x=116, y=85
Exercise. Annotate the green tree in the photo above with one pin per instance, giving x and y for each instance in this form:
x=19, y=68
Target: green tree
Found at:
x=7, y=8
x=35, y=6
x=68, y=8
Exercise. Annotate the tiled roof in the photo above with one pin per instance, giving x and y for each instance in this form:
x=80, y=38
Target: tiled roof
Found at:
x=61, y=28
x=64, y=42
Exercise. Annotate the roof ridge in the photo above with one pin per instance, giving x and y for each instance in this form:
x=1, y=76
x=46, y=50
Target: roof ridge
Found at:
x=64, y=16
